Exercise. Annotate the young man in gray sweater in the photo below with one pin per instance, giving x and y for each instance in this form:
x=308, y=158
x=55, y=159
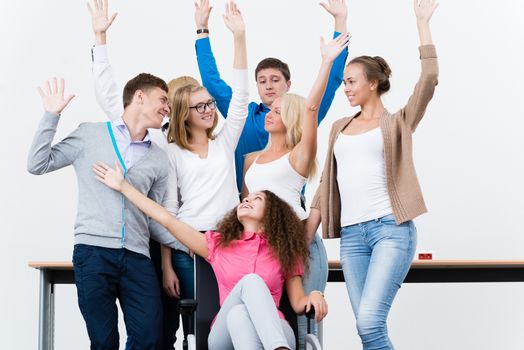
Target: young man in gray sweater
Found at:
x=111, y=254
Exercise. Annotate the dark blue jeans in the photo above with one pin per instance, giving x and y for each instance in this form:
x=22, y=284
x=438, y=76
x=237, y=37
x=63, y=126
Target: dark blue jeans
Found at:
x=103, y=275
x=183, y=265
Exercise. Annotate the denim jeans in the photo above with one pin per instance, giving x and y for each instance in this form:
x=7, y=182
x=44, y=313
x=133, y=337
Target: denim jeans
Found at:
x=375, y=257
x=315, y=279
x=103, y=275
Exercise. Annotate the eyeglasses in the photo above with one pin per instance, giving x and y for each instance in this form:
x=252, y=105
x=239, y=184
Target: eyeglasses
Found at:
x=201, y=107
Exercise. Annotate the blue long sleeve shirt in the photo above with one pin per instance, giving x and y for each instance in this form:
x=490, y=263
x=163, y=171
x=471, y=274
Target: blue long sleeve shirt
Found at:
x=254, y=137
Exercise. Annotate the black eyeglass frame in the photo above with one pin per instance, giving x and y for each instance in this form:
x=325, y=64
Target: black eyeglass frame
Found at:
x=201, y=107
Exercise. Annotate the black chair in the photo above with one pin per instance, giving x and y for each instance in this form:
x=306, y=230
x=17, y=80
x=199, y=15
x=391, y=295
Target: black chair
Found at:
x=206, y=294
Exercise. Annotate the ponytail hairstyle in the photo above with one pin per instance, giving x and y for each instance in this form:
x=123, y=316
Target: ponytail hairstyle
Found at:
x=376, y=69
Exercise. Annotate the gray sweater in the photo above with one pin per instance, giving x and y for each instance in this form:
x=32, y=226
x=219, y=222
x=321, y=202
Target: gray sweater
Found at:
x=104, y=218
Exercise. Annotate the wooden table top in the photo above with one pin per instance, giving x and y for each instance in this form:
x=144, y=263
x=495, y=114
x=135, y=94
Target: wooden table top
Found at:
x=335, y=264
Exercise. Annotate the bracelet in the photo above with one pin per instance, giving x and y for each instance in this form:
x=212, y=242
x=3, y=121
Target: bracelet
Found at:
x=317, y=291
x=202, y=30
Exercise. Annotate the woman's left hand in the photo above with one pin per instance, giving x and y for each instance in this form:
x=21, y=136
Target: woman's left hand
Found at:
x=317, y=300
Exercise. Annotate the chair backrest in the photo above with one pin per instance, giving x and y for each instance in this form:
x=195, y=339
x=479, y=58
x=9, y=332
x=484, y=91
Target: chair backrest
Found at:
x=206, y=293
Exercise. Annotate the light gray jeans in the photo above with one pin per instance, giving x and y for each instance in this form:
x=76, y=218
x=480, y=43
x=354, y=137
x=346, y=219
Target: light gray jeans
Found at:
x=315, y=279
x=248, y=319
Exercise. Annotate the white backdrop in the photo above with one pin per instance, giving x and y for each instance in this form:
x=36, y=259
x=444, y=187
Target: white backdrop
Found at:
x=467, y=148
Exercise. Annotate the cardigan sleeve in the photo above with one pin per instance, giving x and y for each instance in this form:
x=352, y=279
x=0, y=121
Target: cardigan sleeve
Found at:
x=414, y=110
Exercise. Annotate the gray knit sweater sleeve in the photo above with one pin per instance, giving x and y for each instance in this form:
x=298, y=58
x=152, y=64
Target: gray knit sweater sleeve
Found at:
x=44, y=158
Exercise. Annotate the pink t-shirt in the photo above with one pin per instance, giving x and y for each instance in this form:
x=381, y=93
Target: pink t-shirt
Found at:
x=250, y=254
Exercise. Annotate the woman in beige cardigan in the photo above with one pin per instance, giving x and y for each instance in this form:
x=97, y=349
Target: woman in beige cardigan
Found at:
x=369, y=192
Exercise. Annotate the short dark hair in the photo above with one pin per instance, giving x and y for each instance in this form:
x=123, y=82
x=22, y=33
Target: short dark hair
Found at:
x=144, y=82
x=376, y=68
x=275, y=63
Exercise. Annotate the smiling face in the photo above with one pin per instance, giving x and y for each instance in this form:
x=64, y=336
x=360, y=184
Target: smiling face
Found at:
x=273, y=122
x=271, y=84
x=252, y=208
x=357, y=87
x=201, y=100
x=155, y=106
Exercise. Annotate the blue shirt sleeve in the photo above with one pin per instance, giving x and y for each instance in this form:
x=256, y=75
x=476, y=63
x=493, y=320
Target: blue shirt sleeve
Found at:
x=335, y=79
x=210, y=75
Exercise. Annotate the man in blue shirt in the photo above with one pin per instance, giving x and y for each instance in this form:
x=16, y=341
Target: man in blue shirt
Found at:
x=272, y=78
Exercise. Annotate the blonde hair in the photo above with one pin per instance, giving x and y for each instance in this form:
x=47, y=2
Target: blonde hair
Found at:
x=176, y=84
x=292, y=110
x=179, y=130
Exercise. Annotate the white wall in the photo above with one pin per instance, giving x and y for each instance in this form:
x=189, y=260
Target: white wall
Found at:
x=467, y=149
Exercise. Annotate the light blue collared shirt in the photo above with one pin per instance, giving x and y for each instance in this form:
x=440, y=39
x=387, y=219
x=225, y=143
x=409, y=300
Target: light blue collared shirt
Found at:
x=131, y=151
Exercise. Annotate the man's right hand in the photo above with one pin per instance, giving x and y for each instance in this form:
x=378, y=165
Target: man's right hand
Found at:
x=202, y=12
x=100, y=20
x=53, y=96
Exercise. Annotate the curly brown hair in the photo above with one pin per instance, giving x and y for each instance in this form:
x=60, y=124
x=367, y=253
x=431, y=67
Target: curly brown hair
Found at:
x=283, y=229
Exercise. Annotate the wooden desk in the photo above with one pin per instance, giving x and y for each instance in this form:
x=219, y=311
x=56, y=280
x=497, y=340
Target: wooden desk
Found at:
x=429, y=271
x=452, y=271
x=51, y=273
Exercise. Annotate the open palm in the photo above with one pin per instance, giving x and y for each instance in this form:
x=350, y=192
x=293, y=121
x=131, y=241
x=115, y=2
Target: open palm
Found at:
x=333, y=48
x=53, y=96
x=99, y=16
x=424, y=9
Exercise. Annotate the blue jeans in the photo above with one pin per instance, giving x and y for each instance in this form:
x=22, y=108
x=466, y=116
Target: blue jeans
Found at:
x=103, y=275
x=315, y=279
x=375, y=257
x=184, y=268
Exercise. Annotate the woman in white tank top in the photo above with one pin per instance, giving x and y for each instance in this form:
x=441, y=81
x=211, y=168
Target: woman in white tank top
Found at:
x=284, y=166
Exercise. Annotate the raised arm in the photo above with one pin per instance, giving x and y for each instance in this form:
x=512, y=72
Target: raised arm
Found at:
x=107, y=93
x=207, y=66
x=304, y=153
x=237, y=112
x=337, y=9
x=187, y=235
x=43, y=157
x=428, y=80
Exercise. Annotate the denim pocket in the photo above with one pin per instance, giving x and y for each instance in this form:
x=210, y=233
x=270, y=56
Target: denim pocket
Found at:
x=388, y=220
x=81, y=253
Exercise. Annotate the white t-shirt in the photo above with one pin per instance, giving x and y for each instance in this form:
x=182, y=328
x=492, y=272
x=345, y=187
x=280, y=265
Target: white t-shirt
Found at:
x=361, y=177
x=279, y=177
x=202, y=190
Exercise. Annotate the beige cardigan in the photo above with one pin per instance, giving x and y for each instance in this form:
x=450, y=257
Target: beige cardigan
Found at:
x=402, y=184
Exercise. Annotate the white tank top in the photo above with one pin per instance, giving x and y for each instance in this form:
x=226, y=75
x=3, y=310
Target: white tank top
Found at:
x=279, y=177
x=361, y=177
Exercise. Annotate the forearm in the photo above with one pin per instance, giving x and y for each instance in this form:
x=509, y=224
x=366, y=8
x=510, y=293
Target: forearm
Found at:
x=424, y=32
x=187, y=235
x=100, y=38
x=44, y=158
x=165, y=252
x=107, y=93
x=319, y=87
x=341, y=24
x=312, y=223
x=240, y=59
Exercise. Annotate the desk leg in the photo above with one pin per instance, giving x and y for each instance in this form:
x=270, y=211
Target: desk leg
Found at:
x=47, y=310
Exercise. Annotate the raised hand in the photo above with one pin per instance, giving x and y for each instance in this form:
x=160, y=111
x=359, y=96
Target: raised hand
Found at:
x=337, y=8
x=99, y=16
x=233, y=18
x=112, y=178
x=53, y=96
x=332, y=49
x=424, y=9
x=202, y=12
